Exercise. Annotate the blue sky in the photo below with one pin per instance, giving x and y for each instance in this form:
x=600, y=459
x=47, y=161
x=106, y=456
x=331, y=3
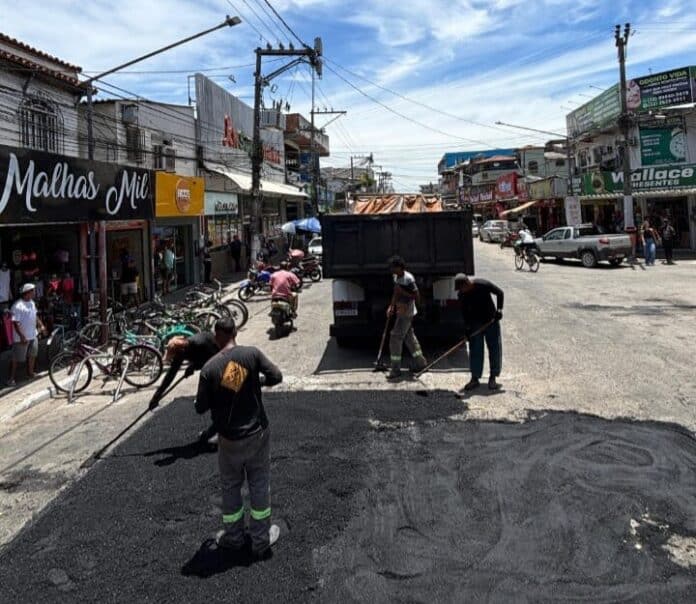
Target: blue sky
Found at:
x=463, y=64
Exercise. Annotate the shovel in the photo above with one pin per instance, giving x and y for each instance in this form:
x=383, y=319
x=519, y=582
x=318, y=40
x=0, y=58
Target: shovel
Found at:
x=97, y=456
x=379, y=365
x=454, y=349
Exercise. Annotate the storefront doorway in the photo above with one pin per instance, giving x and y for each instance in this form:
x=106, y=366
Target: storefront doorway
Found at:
x=674, y=208
x=181, y=236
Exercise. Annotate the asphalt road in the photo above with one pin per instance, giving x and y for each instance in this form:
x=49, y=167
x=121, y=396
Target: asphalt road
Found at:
x=404, y=493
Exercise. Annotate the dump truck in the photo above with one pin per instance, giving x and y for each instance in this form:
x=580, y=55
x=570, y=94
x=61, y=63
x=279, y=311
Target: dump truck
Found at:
x=435, y=244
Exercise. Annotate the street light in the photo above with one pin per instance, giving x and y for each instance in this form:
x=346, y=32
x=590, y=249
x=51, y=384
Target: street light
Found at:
x=228, y=22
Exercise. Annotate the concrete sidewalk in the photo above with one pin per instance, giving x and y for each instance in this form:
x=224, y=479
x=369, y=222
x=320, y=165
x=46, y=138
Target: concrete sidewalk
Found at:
x=18, y=399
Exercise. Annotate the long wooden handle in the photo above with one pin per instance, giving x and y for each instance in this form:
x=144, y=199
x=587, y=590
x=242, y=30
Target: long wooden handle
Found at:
x=454, y=348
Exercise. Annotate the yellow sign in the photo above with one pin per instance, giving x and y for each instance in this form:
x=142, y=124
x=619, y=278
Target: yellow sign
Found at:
x=178, y=195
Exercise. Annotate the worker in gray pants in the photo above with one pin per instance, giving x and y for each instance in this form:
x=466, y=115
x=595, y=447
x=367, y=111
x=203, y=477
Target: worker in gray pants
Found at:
x=230, y=388
x=237, y=459
x=403, y=305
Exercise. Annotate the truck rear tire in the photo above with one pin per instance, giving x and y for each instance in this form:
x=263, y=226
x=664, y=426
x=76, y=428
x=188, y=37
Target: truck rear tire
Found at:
x=589, y=260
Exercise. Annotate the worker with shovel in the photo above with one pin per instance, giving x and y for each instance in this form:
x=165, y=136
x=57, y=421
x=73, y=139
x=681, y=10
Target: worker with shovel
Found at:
x=482, y=321
x=403, y=307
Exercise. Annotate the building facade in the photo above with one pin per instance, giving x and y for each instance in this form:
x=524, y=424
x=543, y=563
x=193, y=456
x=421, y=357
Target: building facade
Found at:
x=661, y=147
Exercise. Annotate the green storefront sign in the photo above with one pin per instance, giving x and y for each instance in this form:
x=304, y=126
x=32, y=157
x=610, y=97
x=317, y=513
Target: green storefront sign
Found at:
x=644, y=179
x=663, y=143
x=598, y=113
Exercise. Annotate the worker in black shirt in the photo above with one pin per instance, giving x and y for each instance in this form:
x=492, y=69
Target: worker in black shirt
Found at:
x=478, y=311
x=197, y=350
x=230, y=388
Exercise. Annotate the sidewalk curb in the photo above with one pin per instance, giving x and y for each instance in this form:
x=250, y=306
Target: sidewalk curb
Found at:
x=28, y=402
x=37, y=397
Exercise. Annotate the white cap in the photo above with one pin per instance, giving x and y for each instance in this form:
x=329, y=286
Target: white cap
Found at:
x=28, y=287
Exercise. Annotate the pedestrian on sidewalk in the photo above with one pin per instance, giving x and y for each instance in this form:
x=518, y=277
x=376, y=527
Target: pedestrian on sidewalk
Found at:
x=167, y=266
x=207, y=262
x=478, y=310
x=650, y=238
x=129, y=283
x=27, y=326
x=403, y=307
x=236, y=252
x=669, y=234
x=230, y=388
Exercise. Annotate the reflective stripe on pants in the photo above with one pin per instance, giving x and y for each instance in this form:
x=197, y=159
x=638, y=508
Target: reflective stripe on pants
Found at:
x=248, y=458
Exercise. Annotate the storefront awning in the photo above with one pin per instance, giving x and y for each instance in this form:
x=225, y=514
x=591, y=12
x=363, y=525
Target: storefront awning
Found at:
x=667, y=192
x=243, y=181
x=520, y=208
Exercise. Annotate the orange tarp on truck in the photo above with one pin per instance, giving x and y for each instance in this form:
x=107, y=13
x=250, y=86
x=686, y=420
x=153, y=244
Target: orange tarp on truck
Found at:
x=396, y=204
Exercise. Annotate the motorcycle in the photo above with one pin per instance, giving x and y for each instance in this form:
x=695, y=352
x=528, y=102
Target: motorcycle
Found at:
x=282, y=316
x=258, y=280
x=306, y=267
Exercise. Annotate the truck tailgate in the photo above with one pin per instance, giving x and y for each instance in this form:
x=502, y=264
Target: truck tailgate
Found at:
x=438, y=243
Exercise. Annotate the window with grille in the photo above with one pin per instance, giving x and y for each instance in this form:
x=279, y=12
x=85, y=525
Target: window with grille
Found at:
x=135, y=144
x=533, y=167
x=41, y=125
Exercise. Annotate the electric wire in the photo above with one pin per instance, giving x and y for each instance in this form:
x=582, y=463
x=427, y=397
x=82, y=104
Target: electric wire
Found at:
x=277, y=14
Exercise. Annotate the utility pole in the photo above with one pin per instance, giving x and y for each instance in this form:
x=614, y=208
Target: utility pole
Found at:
x=626, y=123
x=315, y=156
x=306, y=54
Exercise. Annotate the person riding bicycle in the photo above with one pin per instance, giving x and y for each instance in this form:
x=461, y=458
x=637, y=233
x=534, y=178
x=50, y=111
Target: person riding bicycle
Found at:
x=526, y=240
x=282, y=284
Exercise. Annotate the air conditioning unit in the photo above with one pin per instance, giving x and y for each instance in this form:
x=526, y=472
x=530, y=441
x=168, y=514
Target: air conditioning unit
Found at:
x=164, y=158
x=129, y=114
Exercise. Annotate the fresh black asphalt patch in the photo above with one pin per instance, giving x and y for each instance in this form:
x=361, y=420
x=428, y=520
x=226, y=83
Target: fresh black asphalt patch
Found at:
x=381, y=498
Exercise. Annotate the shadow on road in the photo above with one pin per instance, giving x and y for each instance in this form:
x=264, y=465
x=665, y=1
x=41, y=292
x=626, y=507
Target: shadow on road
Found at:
x=188, y=451
x=626, y=311
x=211, y=560
x=572, y=263
x=364, y=358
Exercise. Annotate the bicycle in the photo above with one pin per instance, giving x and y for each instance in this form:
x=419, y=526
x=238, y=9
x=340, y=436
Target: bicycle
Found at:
x=526, y=255
x=144, y=367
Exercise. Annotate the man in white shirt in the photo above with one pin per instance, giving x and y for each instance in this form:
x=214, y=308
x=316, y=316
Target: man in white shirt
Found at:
x=526, y=239
x=26, y=326
x=403, y=305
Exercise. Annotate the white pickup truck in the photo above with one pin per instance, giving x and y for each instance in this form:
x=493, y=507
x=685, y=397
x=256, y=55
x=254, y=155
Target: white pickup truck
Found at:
x=586, y=243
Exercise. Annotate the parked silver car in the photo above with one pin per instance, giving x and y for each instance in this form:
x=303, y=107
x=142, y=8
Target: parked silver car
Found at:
x=493, y=231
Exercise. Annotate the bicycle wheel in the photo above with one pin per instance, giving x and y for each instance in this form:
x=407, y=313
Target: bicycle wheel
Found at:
x=240, y=312
x=519, y=261
x=144, y=365
x=533, y=262
x=62, y=372
x=91, y=333
x=222, y=310
x=206, y=320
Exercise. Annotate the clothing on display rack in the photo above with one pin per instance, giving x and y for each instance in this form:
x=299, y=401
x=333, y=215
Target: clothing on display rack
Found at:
x=4, y=283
